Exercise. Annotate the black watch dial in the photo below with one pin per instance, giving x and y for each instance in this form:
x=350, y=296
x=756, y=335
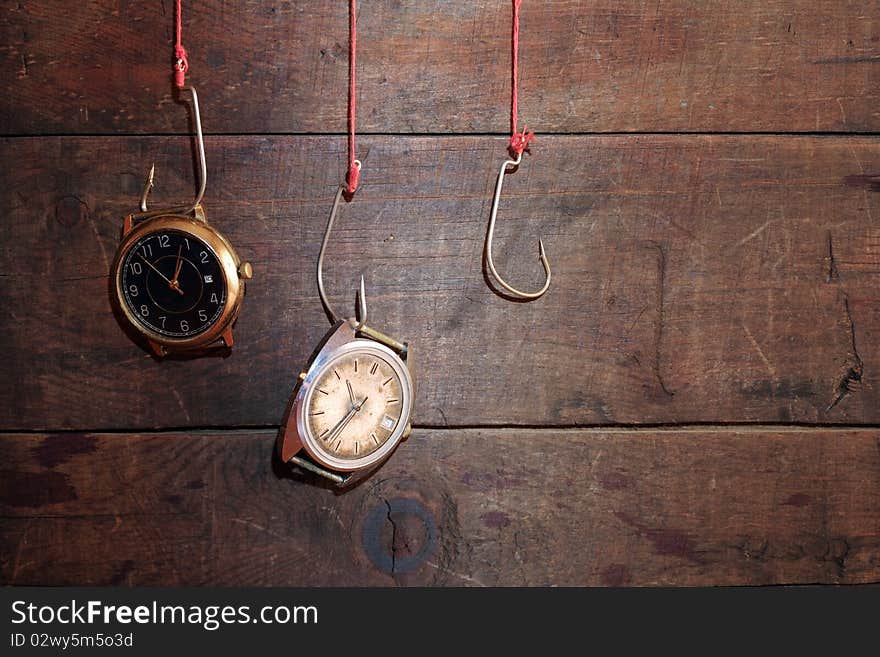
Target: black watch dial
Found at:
x=172, y=284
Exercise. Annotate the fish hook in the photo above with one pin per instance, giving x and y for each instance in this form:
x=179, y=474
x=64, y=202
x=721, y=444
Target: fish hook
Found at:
x=491, y=233
x=203, y=168
x=361, y=296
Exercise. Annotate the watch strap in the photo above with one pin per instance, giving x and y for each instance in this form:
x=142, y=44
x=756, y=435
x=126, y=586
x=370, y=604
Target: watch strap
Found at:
x=306, y=464
x=400, y=348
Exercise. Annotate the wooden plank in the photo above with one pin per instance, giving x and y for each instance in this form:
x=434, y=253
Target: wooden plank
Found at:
x=696, y=279
x=697, y=506
x=679, y=65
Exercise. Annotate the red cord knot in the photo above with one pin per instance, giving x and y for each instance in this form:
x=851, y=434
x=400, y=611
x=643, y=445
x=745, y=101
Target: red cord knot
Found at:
x=354, y=173
x=181, y=66
x=519, y=141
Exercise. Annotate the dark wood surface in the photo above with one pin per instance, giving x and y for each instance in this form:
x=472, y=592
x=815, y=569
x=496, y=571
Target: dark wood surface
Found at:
x=459, y=507
x=697, y=278
x=604, y=65
x=694, y=401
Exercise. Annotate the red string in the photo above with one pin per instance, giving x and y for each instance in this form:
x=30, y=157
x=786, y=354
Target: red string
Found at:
x=353, y=170
x=181, y=65
x=519, y=141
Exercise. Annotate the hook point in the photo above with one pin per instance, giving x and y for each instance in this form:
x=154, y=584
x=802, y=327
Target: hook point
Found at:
x=147, y=187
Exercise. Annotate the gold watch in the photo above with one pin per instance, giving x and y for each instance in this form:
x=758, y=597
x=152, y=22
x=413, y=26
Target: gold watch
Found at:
x=178, y=281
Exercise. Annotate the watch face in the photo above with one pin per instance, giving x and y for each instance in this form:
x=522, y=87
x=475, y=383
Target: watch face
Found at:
x=173, y=284
x=356, y=405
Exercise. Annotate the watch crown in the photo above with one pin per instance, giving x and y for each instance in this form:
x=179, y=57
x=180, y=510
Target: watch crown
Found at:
x=302, y=376
x=246, y=271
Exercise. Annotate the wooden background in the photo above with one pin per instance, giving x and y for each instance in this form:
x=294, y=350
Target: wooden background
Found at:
x=693, y=402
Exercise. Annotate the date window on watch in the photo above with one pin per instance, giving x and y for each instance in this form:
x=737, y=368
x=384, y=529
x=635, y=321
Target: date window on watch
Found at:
x=388, y=422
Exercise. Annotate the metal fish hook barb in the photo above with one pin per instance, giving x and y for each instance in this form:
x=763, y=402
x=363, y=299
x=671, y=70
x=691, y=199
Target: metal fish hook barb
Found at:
x=491, y=233
x=203, y=168
x=361, y=297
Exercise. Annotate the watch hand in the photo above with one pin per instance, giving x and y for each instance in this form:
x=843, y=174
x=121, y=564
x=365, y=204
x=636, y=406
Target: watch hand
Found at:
x=363, y=401
x=173, y=281
x=164, y=277
x=350, y=393
x=335, y=431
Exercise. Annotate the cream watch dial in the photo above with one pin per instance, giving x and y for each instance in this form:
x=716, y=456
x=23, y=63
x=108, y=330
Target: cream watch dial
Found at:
x=355, y=406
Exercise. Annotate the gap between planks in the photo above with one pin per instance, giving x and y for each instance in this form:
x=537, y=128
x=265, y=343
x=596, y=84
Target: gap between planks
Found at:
x=445, y=135
x=722, y=428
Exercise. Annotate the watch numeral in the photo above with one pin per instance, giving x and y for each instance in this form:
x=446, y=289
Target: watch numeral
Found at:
x=147, y=250
x=203, y=316
x=184, y=326
x=209, y=278
x=164, y=241
x=204, y=256
x=214, y=298
x=136, y=268
x=145, y=311
x=133, y=290
x=163, y=318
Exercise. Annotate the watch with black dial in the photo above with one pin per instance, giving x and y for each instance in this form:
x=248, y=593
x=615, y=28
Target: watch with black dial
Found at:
x=178, y=281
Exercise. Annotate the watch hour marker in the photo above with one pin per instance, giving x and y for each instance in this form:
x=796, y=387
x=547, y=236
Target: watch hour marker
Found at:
x=355, y=365
x=323, y=392
x=391, y=401
x=357, y=447
x=337, y=375
x=386, y=381
x=324, y=433
x=337, y=445
x=375, y=440
x=317, y=413
x=374, y=368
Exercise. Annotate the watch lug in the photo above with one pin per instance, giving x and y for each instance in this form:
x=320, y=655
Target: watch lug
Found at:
x=289, y=443
x=199, y=213
x=289, y=446
x=157, y=349
x=338, y=336
x=407, y=432
x=227, y=337
x=127, y=224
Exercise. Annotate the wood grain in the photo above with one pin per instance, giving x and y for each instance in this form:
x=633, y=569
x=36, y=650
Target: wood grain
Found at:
x=453, y=507
x=428, y=67
x=696, y=279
